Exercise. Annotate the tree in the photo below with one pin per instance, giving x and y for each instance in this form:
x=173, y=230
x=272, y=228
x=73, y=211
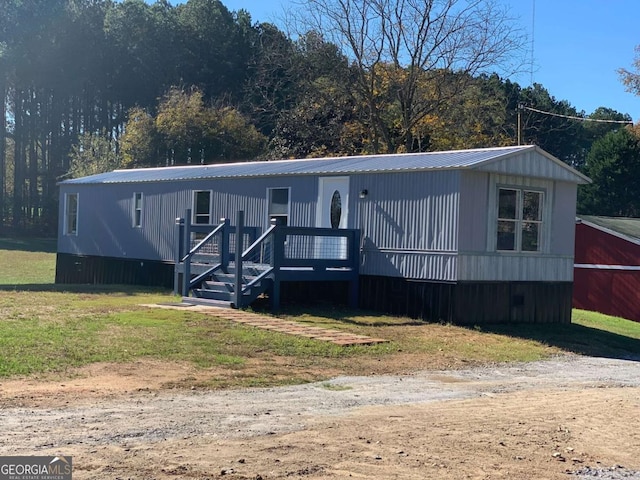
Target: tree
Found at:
x=544, y=121
x=186, y=130
x=417, y=44
x=140, y=144
x=322, y=107
x=272, y=85
x=614, y=166
x=474, y=118
x=631, y=79
x=215, y=48
x=93, y=153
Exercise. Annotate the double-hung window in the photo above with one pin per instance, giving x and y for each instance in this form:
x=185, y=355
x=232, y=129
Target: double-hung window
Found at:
x=278, y=204
x=520, y=220
x=71, y=214
x=137, y=209
x=202, y=207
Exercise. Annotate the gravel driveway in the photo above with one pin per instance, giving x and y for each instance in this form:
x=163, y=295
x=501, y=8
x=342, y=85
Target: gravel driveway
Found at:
x=142, y=421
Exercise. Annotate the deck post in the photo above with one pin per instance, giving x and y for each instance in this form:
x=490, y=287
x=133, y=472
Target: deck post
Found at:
x=354, y=256
x=186, y=271
x=275, y=296
x=239, y=245
x=277, y=254
x=178, y=254
x=224, y=245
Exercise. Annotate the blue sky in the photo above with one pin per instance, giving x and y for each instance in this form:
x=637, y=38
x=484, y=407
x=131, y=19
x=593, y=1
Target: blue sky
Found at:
x=578, y=46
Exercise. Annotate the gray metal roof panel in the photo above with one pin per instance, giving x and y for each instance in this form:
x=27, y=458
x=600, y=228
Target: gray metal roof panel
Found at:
x=457, y=159
x=623, y=226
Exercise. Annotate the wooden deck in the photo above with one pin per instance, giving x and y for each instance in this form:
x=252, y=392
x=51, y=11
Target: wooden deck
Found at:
x=233, y=266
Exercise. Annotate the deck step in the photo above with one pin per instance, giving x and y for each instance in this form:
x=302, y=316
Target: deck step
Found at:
x=227, y=296
x=229, y=277
x=249, y=270
x=212, y=294
x=206, y=301
x=217, y=286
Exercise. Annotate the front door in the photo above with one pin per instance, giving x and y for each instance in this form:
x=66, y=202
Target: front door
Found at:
x=332, y=212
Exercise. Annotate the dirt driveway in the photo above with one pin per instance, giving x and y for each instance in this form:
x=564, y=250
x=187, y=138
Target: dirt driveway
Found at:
x=567, y=418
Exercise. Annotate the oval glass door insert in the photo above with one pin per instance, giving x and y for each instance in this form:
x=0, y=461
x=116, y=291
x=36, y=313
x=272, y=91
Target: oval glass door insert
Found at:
x=336, y=209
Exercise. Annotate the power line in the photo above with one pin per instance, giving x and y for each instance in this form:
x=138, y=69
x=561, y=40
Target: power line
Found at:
x=571, y=117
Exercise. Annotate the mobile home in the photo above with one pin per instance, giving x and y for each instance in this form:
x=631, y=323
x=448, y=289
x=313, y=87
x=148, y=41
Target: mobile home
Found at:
x=469, y=236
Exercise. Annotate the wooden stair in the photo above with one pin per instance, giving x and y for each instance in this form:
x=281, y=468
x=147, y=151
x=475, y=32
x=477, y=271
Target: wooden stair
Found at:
x=219, y=288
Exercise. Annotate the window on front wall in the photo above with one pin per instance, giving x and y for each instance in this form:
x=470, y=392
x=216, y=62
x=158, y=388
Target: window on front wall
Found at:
x=519, y=220
x=278, y=205
x=71, y=214
x=137, y=209
x=202, y=207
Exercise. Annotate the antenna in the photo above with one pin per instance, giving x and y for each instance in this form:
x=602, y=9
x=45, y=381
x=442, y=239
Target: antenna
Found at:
x=533, y=40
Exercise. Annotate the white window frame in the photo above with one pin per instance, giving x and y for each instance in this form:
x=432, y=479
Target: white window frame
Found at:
x=137, y=210
x=67, y=214
x=519, y=221
x=194, y=213
x=271, y=215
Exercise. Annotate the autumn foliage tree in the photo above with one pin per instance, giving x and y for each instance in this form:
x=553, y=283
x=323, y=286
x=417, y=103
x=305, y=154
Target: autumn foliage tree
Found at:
x=410, y=52
x=186, y=131
x=161, y=84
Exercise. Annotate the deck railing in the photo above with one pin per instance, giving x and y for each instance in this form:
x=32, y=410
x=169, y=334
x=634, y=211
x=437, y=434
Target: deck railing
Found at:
x=284, y=254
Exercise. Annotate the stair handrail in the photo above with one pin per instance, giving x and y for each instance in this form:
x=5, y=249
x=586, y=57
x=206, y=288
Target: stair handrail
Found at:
x=238, y=289
x=259, y=241
x=187, y=284
x=257, y=280
x=208, y=237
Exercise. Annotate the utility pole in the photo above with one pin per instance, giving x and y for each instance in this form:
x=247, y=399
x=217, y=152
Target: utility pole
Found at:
x=520, y=107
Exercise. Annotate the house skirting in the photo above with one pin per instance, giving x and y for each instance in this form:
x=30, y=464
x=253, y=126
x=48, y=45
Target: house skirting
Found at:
x=468, y=303
x=83, y=269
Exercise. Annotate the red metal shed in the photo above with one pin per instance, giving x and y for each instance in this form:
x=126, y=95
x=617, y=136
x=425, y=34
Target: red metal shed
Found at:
x=607, y=266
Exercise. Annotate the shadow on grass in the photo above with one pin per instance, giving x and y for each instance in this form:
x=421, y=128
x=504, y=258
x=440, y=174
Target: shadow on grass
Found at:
x=45, y=245
x=72, y=288
x=572, y=337
x=346, y=315
x=575, y=338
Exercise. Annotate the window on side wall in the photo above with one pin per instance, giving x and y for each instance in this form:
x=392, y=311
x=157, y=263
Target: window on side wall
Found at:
x=202, y=207
x=71, y=214
x=137, y=209
x=520, y=222
x=278, y=200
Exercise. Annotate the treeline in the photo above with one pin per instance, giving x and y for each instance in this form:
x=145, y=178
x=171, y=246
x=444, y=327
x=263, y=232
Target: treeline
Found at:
x=89, y=85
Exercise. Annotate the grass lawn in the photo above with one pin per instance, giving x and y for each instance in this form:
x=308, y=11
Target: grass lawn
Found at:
x=49, y=328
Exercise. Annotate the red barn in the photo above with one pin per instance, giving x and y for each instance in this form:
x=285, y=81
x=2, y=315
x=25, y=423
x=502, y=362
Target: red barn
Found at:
x=607, y=266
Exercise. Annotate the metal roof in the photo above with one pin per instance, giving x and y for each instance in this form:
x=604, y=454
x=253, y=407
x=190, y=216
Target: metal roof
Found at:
x=620, y=226
x=456, y=159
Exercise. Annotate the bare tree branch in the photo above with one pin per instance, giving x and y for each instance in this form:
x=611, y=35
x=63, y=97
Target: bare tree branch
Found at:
x=422, y=51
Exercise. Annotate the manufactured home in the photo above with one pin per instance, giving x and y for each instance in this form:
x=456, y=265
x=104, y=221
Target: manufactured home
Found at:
x=469, y=236
x=607, y=265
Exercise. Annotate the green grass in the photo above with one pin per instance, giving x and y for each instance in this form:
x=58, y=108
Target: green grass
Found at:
x=56, y=328
x=607, y=323
x=27, y=261
x=590, y=333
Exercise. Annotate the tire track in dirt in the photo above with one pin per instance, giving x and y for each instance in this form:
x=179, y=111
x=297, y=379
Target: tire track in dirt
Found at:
x=485, y=423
